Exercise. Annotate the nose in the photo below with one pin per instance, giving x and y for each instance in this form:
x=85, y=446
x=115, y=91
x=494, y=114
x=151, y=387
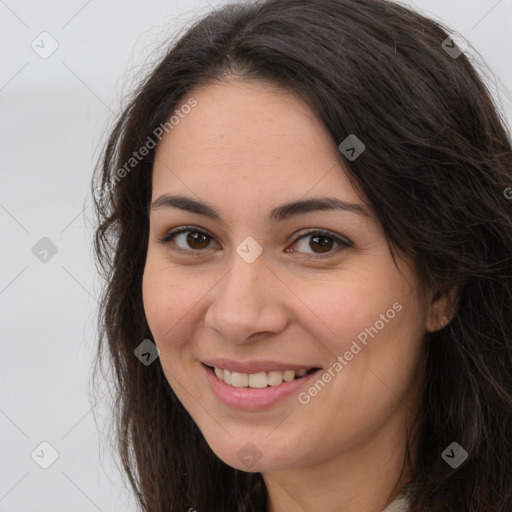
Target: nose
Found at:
x=248, y=301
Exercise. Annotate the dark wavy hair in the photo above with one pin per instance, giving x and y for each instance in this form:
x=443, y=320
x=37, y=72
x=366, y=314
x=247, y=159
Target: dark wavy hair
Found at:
x=436, y=169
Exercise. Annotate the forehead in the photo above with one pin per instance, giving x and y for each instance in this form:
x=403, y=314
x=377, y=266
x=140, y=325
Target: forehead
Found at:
x=249, y=138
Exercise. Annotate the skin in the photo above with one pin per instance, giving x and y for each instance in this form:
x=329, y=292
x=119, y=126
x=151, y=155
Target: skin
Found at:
x=246, y=148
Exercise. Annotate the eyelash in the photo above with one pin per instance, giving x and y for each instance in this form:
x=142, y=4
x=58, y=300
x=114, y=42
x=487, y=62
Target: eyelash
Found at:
x=168, y=237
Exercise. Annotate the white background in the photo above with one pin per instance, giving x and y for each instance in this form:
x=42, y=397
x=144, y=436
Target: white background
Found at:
x=54, y=116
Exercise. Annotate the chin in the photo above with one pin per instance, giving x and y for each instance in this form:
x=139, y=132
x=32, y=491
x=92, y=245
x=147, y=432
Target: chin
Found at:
x=255, y=456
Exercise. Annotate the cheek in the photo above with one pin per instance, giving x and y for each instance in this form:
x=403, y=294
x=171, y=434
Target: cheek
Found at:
x=156, y=299
x=343, y=307
x=166, y=299
x=163, y=305
x=376, y=323
x=380, y=355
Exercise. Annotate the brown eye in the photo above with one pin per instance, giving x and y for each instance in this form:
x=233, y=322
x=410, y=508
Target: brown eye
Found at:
x=187, y=239
x=324, y=243
x=197, y=240
x=319, y=242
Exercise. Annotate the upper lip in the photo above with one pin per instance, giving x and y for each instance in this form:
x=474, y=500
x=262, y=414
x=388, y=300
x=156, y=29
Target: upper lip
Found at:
x=255, y=366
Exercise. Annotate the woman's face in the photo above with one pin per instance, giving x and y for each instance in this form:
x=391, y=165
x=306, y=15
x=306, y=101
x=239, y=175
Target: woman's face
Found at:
x=259, y=289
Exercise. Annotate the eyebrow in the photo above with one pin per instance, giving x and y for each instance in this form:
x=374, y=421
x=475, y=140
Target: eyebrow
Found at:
x=277, y=214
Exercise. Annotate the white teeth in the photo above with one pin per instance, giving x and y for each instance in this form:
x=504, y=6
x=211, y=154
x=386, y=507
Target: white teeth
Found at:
x=258, y=380
x=274, y=378
x=288, y=375
x=239, y=380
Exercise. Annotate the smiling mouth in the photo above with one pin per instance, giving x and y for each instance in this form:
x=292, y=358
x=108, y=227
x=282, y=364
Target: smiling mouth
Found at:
x=259, y=380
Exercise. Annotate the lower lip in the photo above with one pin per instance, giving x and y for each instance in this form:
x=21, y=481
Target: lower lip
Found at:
x=252, y=399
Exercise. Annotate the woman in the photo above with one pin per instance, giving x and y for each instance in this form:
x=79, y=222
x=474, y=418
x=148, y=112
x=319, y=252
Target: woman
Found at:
x=308, y=248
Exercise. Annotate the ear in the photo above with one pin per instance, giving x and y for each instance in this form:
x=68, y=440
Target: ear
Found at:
x=441, y=309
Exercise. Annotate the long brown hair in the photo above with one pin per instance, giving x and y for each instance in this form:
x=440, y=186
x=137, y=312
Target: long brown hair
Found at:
x=437, y=170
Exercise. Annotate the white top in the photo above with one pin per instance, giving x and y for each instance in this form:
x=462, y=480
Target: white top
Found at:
x=400, y=504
